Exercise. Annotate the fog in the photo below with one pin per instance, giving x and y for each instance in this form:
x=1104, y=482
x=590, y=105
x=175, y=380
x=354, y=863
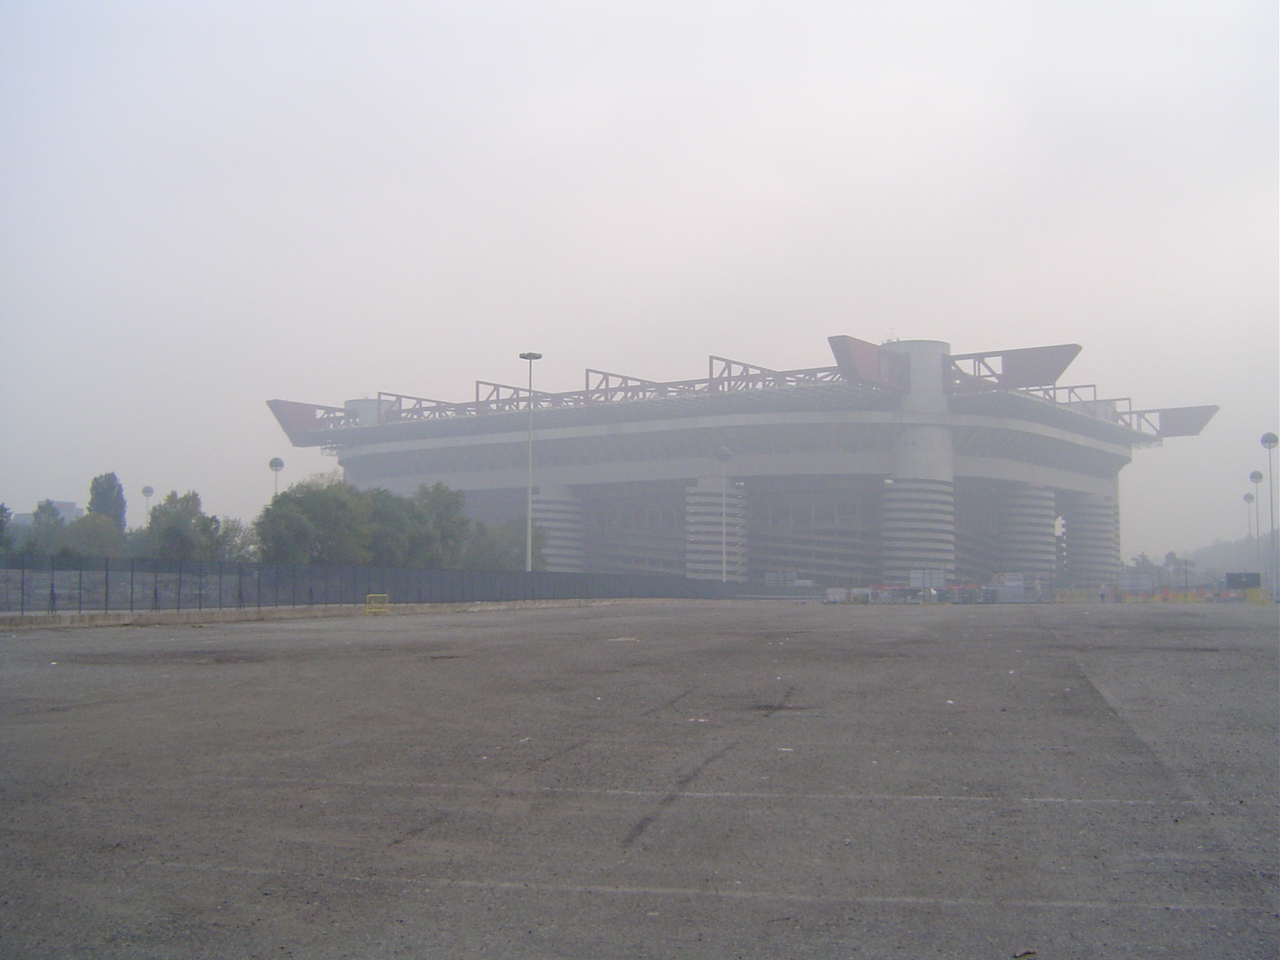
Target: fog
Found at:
x=204, y=206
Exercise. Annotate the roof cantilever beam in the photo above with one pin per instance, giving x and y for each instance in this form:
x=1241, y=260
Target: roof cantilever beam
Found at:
x=726, y=374
x=864, y=364
x=403, y=401
x=303, y=422
x=730, y=368
x=502, y=397
x=1154, y=424
x=1012, y=369
x=603, y=385
x=1078, y=393
x=1174, y=421
x=400, y=406
x=604, y=379
x=407, y=397
x=1083, y=398
x=488, y=390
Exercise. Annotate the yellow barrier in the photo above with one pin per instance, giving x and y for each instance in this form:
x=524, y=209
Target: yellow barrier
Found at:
x=1075, y=596
x=375, y=604
x=1166, y=595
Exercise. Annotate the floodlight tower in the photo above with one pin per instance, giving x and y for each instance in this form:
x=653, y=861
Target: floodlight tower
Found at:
x=1250, y=528
x=1256, y=478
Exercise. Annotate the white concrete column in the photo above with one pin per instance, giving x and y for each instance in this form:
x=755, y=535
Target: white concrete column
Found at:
x=715, y=530
x=1028, y=519
x=1092, y=524
x=917, y=506
x=929, y=360
x=918, y=528
x=559, y=515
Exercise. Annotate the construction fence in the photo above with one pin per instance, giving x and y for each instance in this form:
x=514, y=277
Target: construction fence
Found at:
x=93, y=585
x=96, y=585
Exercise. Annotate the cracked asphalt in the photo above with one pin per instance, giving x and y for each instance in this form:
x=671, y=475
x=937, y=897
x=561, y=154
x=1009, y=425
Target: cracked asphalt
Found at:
x=647, y=780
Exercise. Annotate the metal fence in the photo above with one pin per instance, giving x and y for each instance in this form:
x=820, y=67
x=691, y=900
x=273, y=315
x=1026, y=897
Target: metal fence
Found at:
x=91, y=585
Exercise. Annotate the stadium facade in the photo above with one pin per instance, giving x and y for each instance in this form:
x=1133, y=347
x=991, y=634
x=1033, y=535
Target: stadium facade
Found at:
x=900, y=458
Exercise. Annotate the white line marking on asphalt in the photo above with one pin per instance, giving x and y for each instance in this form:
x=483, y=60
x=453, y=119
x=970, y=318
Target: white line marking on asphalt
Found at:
x=534, y=886
x=706, y=795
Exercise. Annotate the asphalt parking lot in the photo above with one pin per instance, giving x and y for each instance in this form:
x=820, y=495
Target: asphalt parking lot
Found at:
x=648, y=780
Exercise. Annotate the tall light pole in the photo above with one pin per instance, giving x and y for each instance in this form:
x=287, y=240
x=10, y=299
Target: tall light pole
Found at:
x=1264, y=570
x=724, y=454
x=528, y=500
x=1249, y=525
x=1269, y=441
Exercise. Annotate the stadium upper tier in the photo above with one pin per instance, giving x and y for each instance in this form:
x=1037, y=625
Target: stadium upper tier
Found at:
x=865, y=378
x=906, y=456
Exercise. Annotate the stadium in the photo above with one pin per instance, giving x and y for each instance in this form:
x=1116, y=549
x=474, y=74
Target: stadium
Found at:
x=900, y=464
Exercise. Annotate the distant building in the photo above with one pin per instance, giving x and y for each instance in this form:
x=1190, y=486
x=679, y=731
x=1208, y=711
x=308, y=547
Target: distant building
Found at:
x=67, y=510
x=900, y=459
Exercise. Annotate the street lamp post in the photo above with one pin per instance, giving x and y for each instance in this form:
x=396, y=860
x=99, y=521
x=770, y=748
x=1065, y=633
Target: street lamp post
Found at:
x=724, y=454
x=528, y=500
x=1249, y=525
x=1256, y=478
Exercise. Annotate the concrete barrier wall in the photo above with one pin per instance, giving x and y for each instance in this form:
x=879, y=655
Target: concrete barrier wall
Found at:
x=180, y=617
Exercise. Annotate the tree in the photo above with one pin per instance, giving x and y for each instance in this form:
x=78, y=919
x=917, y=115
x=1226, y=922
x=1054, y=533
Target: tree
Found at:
x=179, y=530
x=326, y=520
x=106, y=498
x=320, y=520
x=487, y=549
x=446, y=529
x=285, y=533
x=501, y=547
x=6, y=541
x=1143, y=564
x=47, y=527
x=94, y=535
x=396, y=528
x=427, y=529
x=1179, y=568
x=341, y=518
x=235, y=541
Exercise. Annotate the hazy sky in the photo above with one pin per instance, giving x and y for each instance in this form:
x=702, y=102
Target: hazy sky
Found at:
x=205, y=205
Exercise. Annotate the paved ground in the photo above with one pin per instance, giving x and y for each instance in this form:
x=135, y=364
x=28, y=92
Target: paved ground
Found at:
x=715, y=780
